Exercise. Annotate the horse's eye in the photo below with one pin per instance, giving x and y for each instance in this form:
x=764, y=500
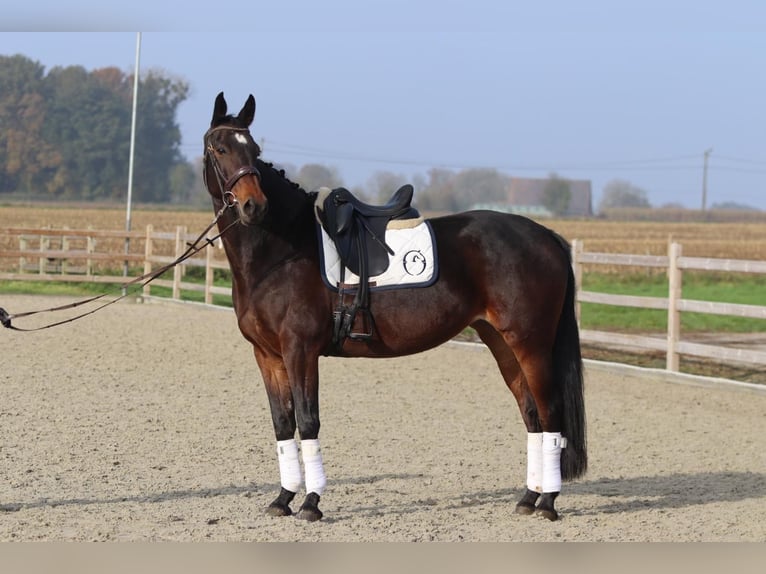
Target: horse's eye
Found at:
x=220, y=149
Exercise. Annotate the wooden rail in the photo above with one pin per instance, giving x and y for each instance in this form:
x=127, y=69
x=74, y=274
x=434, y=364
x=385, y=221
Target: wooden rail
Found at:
x=674, y=263
x=52, y=255
x=48, y=254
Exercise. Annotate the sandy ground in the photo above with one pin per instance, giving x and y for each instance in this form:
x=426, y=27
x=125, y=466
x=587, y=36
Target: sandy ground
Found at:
x=149, y=422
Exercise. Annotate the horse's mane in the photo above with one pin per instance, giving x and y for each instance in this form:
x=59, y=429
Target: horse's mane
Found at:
x=283, y=175
x=293, y=206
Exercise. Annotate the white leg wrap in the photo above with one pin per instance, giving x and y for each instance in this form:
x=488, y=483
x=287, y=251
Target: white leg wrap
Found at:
x=535, y=461
x=312, y=463
x=289, y=465
x=552, y=444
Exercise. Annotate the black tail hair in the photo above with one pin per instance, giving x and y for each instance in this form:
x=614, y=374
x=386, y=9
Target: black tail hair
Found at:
x=567, y=361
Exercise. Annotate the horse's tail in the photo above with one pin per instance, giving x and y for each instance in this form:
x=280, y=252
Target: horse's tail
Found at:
x=567, y=361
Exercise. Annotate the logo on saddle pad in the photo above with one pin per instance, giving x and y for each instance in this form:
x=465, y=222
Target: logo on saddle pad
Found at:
x=415, y=263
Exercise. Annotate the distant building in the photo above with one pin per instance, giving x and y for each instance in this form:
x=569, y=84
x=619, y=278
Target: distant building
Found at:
x=525, y=197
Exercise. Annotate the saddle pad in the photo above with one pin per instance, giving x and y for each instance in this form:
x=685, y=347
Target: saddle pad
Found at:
x=412, y=265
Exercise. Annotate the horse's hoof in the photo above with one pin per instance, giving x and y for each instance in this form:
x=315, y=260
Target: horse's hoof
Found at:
x=281, y=504
x=548, y=513
x=275, y=509
x=545, y=508
x=309, y=510
x=526, y=505
x=309, y=514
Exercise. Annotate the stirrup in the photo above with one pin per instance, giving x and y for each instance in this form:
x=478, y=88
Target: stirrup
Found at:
x=366, y=333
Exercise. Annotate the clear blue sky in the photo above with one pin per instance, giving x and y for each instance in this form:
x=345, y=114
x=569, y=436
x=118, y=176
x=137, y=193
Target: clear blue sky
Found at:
x=589, y=89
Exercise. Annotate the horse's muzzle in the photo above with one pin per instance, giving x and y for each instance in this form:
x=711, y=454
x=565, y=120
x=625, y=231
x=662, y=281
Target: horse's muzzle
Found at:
x=251, y=212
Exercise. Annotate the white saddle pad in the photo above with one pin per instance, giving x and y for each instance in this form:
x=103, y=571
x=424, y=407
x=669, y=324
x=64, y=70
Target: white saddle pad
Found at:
x=412, y=265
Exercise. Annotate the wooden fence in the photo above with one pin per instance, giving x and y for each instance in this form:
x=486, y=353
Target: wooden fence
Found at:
x=673, y=345
x=97, y=256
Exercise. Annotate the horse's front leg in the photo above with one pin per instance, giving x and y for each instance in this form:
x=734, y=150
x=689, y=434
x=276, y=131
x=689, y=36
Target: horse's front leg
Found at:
x=280, y=398
x=304, y=382
x=294, y=398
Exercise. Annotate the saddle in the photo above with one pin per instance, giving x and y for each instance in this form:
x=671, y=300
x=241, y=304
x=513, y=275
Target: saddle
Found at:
x=358, y=231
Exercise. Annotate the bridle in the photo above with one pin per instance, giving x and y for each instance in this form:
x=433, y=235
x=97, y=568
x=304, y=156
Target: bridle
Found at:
x=226, y=185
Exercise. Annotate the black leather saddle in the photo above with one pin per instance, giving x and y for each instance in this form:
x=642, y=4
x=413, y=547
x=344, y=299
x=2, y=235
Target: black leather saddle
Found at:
x=358, y=231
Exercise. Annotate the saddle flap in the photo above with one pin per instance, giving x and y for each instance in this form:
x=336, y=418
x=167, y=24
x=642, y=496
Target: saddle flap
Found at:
x=344, y=218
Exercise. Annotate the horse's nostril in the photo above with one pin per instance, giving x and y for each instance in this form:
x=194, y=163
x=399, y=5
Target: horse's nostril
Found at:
x=251, y=210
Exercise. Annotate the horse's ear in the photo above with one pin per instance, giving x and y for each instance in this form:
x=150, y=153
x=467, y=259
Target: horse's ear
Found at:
x=219, y=111
x=247, y=113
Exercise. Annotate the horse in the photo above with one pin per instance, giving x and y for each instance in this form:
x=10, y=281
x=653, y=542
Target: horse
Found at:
x=504, y=275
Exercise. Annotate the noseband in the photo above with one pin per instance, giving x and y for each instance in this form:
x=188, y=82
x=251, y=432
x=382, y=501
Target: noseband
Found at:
x=226, y=186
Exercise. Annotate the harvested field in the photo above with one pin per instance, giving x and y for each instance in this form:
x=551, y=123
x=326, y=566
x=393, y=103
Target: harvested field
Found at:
x=729, y=240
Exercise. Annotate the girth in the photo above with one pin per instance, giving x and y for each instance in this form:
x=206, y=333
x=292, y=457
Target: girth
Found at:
x=358, y=231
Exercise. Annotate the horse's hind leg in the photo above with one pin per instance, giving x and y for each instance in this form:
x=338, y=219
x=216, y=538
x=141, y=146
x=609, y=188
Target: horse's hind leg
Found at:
x=516, y=382
x=547, y=441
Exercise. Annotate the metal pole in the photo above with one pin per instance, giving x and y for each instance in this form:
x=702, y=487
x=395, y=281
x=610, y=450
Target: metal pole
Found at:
x=704, y=179
x=132, y=151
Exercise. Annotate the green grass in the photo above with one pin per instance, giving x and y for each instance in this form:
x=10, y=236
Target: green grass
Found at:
x=74, y=289
x=728, y=288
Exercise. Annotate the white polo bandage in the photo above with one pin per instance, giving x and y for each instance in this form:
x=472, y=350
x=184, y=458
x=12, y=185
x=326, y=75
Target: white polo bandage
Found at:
x=535, y=461
x=552, y=445
x=312, y=464
x=289, y=465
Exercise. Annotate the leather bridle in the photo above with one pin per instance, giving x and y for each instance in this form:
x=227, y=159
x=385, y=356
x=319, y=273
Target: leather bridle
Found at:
x=226, y=184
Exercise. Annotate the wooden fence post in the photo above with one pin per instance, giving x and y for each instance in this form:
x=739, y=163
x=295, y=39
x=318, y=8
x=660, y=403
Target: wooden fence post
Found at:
x=180, y=232
x=674, y=315
x=64, y=248
x=44, y=246
x=577, y=249
x=147, y=257
x=90, y=247
x=22, y=260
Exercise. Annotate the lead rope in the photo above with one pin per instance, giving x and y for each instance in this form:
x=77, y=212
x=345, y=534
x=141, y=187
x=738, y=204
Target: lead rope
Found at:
x=192, y=249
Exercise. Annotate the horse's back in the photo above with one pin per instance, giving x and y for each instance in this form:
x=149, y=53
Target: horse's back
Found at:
x=496, y=237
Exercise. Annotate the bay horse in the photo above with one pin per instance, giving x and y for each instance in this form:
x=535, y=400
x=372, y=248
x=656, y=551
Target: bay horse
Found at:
x=506, y=276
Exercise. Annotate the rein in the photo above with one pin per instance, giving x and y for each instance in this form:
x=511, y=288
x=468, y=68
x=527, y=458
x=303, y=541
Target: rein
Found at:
x=193, y=248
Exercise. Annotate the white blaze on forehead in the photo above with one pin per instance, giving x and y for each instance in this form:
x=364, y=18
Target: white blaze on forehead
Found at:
x=240, y=138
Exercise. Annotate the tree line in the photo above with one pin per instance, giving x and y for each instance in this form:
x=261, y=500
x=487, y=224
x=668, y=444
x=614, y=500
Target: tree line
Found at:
x=66, y=133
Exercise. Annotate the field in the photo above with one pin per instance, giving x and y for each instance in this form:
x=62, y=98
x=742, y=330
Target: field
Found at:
x=725, y=240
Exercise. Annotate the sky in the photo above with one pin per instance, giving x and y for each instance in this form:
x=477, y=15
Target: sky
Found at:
x=592, y=89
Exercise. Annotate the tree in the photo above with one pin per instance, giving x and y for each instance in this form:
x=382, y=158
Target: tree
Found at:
x=479, y=185
x=89, y=125
x=621, y=193
x=381, y=186
x=67, y=133
x=24, y=153
x=312, y=176
x=158, y=137
x=186, y=186
x=438, y=192
x=556, y=195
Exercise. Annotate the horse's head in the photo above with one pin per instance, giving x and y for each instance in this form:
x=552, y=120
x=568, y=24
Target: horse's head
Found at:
x=231, y=174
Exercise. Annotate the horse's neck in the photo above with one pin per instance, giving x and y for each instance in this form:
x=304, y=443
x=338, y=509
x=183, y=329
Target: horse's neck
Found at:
x=255, y=251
